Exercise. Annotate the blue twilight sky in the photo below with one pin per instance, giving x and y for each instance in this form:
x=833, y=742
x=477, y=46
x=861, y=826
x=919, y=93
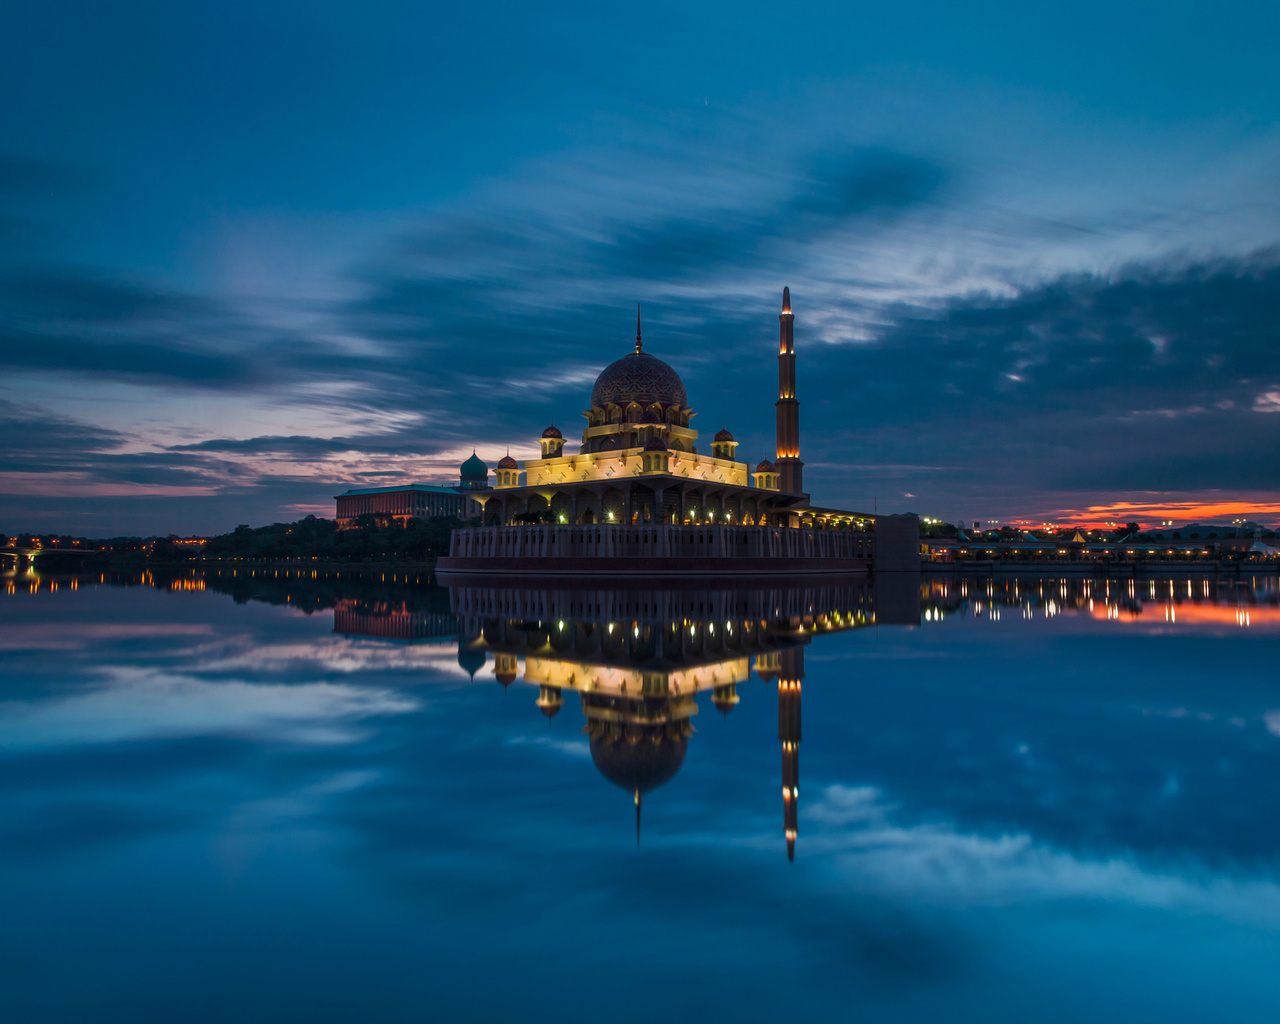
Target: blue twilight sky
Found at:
x=251, y=255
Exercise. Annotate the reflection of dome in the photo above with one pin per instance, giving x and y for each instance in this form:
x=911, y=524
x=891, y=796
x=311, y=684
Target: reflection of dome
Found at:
x=507, y=462
x=471, y=660
x=638, y=767
x=550, y=700
x=725, y=697
x=638, y=377
x=766, y=466
x=552, y=431
x=724, y=435
x=474, y=467
x=655, y=444
x=506, y=676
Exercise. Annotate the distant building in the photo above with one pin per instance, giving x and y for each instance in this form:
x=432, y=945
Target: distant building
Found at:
x=417, y=501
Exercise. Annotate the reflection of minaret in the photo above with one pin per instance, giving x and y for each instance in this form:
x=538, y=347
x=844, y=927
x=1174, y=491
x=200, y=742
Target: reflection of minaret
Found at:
x=789, y=465
x=789, y=733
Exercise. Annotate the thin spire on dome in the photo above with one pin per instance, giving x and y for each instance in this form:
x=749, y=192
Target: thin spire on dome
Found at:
x=639, y=343
x=637, y=817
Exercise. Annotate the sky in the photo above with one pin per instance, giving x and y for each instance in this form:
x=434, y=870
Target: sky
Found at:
x=252, y=255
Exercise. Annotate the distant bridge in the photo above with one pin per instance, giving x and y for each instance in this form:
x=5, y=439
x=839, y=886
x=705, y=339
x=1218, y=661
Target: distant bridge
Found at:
x=22, y=558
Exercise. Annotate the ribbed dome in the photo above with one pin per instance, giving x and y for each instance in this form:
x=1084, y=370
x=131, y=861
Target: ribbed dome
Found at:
x=766, y=466
x=474, y=466
x=724, y=435
x=507, y=462
x=655, y=444
x=552, y=431
x=638, y=767
x=638, y=377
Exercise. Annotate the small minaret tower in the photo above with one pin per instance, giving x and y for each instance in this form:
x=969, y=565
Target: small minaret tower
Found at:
x=789, y=676
x=789, y=465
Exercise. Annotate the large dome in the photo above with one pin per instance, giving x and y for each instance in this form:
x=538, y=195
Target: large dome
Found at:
x=638, y=377
x=638, y=767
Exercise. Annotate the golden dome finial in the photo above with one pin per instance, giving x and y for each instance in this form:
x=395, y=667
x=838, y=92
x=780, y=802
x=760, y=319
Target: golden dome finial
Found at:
x=639, y=343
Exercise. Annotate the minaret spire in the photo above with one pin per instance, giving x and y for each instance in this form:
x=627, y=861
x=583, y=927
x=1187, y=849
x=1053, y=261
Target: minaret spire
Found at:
x=637, y=817
x=789, y=465
x=639, y=343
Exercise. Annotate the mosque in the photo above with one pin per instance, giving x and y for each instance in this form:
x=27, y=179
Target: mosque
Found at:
x=638, y=489
x=639, y=461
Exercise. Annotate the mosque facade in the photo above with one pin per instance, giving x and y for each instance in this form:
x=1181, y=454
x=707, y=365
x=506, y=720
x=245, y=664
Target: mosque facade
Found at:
x=638, y=461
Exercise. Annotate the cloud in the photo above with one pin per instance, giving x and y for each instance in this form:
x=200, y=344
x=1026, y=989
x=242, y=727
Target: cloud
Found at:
x=143, y=704
x=940, y=863
x=478, y=322
x=33, y=435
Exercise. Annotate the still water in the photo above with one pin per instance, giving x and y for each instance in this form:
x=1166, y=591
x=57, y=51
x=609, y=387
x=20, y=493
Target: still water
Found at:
x=268, y=797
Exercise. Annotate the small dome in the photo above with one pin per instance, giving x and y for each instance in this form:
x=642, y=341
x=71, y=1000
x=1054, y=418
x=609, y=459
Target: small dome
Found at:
x=638, y=377
x=470, y=660
x=475, y=466
x=507, y=462
x=724, y=435
x=725, y=698
x=552, y=431
x=655, y=444
x=766, y=466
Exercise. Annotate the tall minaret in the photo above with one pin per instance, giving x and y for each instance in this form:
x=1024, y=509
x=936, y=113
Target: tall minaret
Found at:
x=789, y=732
x=789, y=465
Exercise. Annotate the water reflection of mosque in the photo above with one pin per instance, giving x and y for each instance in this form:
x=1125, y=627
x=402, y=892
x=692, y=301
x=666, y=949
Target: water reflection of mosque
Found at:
x=639, y=658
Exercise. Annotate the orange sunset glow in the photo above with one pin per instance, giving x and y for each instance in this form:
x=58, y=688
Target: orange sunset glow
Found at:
x=1156, y=512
